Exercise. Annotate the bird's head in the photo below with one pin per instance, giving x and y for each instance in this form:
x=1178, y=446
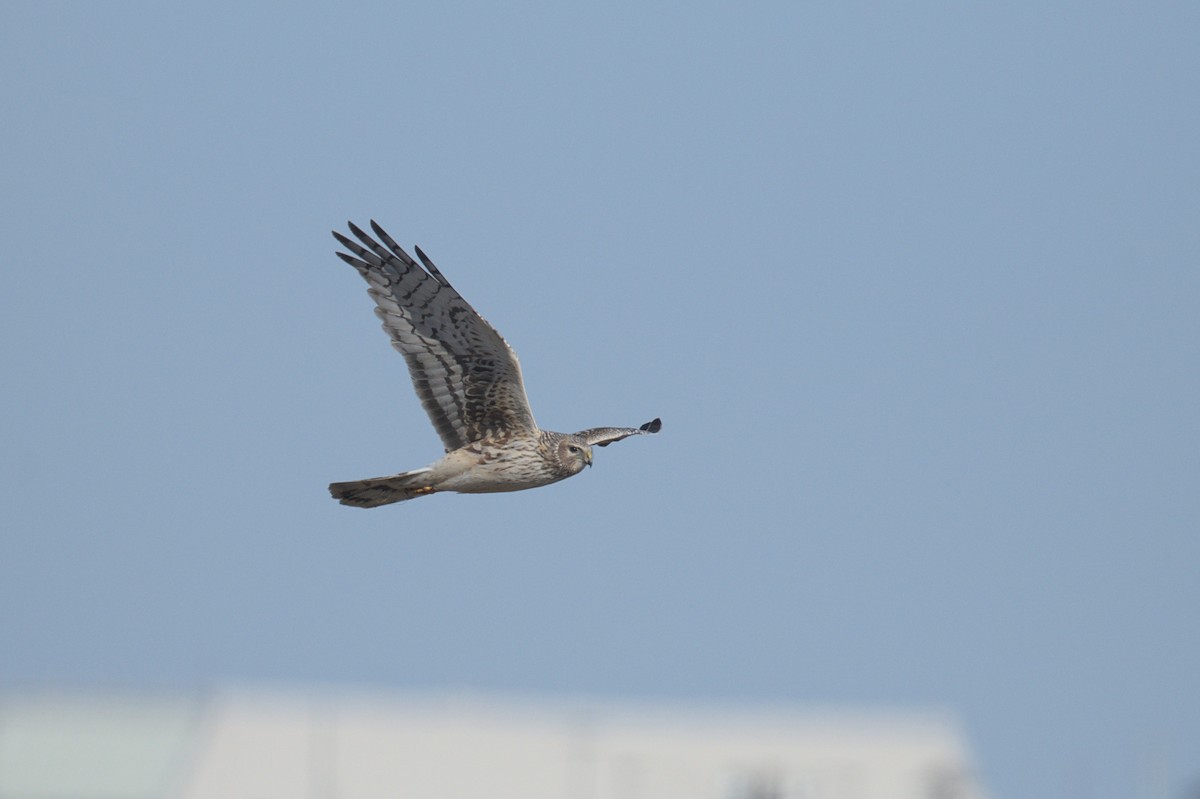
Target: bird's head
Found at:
x=574, y=453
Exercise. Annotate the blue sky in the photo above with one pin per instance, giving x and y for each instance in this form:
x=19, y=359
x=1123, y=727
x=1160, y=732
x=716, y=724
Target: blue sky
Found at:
x=914, y=289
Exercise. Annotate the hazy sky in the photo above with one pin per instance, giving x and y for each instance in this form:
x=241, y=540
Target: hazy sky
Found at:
x=914, y=288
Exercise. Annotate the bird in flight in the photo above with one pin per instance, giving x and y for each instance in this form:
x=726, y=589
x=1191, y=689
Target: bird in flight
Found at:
x=469, y=382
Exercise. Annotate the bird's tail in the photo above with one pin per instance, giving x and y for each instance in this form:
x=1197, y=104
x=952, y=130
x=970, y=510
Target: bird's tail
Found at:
x=376, y=491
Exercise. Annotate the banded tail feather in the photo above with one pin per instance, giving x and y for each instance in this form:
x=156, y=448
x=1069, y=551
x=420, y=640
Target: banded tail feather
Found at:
x=376, y=491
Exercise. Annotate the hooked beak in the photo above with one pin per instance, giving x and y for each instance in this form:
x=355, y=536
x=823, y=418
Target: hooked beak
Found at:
x=587, y=456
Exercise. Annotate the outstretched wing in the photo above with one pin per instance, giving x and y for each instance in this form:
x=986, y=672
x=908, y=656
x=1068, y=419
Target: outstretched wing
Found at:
x=603, y=436
x=465, y=374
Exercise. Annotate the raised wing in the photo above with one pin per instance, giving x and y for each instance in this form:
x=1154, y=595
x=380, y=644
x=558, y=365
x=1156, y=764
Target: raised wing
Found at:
x=466, y=375
x=603, y=436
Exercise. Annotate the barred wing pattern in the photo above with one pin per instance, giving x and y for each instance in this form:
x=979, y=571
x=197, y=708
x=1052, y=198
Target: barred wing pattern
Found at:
x=603, y=436
x=465, y=374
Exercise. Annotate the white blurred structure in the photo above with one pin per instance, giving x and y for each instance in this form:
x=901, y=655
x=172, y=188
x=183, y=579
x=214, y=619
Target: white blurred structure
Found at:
x=308, y=745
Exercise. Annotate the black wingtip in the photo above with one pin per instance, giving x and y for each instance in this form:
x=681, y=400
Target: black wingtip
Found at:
x=425, y=260
x=429, y=267
x=652, y=426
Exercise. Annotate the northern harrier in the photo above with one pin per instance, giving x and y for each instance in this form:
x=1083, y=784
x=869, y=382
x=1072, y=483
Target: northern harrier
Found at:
x=469, y=382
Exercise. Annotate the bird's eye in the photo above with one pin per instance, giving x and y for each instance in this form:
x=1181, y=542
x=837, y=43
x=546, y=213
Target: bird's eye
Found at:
x=573, y=448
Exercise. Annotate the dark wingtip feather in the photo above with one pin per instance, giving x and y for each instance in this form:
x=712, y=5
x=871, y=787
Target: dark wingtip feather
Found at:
x=652, y=426
x=433, y=270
